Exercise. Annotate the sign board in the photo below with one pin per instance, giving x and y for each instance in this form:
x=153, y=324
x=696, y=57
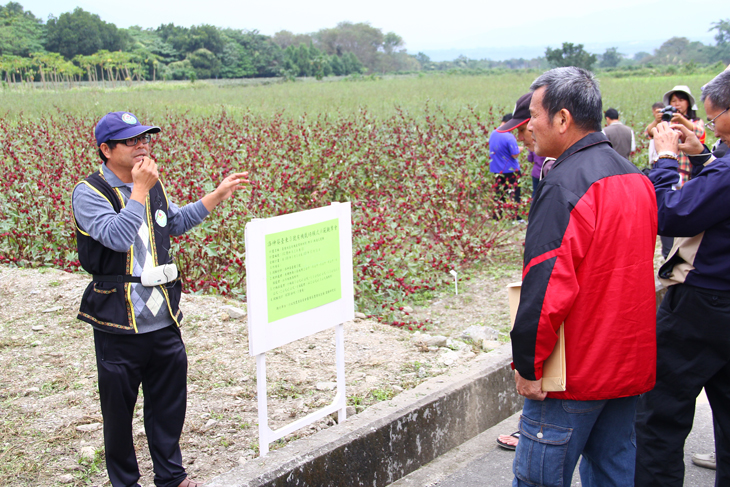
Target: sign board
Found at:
x=298, y=283
x=298, y=275
x=302, y=269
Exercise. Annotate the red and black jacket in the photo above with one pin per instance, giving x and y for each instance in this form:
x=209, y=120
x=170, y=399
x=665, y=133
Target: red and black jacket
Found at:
x=589, y=255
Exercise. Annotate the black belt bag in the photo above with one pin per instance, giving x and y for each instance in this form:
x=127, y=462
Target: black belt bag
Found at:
x=119, y=278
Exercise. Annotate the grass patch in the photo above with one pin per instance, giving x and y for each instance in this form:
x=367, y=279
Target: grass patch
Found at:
x=383, y=394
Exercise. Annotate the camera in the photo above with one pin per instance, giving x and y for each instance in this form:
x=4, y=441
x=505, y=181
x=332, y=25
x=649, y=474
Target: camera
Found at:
x=668, y=112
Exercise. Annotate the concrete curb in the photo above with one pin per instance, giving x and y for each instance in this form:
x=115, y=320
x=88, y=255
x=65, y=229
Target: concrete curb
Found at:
x=393, y=438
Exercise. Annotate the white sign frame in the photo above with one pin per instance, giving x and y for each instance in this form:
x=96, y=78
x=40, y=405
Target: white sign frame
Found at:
x=261, y=338
x=264, y=336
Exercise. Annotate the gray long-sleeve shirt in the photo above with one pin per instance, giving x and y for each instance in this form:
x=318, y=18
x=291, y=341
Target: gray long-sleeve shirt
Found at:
x=118, y=232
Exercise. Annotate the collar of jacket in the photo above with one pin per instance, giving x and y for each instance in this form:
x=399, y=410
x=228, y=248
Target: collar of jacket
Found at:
x=594, y=138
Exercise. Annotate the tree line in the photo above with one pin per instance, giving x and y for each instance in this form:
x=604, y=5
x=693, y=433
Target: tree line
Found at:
x=677, y=51
x=80, y=46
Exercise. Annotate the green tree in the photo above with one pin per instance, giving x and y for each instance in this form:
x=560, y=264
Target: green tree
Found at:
x=351, y=64
x=320, y=63
x=289, y=66
x=722, y=37
x=14, y=9
x=680, y=50
x=187, y=40
x=361, y=39
x=87, y=63
x=205, y=63
x=265, y=55
x=20, y=32
x=306, y=60
x=149, y=41
x=14, y=68
x=170, y=33
x=81, y=32
x=303, y=61
x=338, y=69
x=235, y=62
x=260, y=55
x=285, y=38
x=205, y=37
x=402, y=61
x=389, y=59
x=723, y=31
x=391, y=41
x=422, y=59
x=68, y=71
x=179, y=70
x=150, y=52
x=570, y=55
x=611, y=58
x=642, y=57
x=48, y=64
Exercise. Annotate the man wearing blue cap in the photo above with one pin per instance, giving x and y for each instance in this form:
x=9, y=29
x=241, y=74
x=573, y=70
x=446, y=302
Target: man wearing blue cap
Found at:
x=124, y=222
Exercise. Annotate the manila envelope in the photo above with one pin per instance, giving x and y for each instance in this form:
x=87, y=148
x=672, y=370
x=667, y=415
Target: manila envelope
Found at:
x=553, y=370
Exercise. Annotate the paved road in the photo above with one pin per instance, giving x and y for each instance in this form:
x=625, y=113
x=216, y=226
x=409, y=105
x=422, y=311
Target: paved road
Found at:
x=481, y=463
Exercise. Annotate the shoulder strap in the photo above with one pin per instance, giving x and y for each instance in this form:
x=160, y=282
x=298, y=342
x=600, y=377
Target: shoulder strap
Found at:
x=98, y=184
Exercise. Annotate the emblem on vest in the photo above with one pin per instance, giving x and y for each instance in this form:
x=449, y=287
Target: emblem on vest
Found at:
x=161, y=218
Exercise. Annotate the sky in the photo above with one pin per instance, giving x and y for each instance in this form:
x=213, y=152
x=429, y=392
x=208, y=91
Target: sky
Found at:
x=496, y=29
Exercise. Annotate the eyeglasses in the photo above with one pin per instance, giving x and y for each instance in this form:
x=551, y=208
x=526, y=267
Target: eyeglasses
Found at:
x=711, y=123
x=145, y=139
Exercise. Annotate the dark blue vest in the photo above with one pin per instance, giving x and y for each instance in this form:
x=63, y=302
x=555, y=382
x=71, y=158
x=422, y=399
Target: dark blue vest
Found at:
x=106, y=303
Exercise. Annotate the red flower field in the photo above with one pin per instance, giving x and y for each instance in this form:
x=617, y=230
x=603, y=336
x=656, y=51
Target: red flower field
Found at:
x=420, y=190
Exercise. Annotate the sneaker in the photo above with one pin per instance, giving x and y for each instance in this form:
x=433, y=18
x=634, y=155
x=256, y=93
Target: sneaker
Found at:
x=706, y=460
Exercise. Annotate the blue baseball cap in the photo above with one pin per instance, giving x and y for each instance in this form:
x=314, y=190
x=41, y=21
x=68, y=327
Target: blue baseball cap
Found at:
x=120, y=126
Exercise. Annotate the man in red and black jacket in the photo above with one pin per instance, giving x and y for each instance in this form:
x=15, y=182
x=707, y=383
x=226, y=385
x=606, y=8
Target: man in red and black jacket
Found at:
x=588, y=264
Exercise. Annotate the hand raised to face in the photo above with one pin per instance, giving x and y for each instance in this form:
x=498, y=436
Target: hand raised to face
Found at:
x=144, y=174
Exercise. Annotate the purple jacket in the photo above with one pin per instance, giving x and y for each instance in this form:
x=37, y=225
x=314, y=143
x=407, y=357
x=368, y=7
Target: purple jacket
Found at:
x=538, y=161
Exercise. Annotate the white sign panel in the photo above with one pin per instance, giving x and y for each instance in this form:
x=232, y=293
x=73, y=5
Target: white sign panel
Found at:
x=298, y=275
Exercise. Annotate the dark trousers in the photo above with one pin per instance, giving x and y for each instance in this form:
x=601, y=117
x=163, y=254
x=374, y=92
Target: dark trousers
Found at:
x=667, y=243
x=693, y=351
x=158, y=361
x=506, y=184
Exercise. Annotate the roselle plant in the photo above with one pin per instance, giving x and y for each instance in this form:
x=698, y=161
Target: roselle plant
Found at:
x=422, y=197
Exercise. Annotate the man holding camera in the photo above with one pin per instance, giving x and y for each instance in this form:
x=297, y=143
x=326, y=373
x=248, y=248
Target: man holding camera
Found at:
x=124, y=222
x=693, y=320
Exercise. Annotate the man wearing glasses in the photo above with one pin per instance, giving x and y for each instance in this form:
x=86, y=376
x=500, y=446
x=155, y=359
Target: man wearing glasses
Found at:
x=124, y=222
x=693, y=320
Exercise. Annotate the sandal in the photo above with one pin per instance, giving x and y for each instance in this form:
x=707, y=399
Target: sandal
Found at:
x=507, y=445
x=190, y=483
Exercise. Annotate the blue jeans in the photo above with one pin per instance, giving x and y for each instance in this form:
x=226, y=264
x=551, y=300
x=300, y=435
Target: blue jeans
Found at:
x=554, y=433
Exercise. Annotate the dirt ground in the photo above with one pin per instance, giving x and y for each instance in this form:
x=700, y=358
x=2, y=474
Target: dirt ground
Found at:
x=50, y=428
